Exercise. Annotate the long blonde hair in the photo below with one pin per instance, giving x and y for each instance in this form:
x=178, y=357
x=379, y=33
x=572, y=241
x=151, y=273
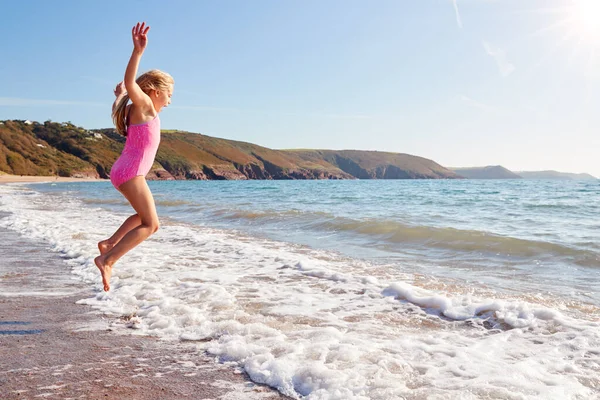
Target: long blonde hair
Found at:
x=151, y=80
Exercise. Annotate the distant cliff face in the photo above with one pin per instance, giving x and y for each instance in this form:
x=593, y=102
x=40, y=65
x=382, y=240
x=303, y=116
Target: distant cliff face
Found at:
x=63, y=149
x=555, y=175
x=499, y=172
x=489, y=172
x=379, y=165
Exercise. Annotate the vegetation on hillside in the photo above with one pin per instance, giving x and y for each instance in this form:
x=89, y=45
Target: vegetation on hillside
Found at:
x=51, y=148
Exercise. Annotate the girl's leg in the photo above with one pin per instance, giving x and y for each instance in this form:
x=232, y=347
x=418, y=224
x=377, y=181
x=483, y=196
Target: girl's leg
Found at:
x=130, y=223
x=138, y=194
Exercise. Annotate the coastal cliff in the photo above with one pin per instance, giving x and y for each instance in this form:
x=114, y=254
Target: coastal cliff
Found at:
x=63, y=149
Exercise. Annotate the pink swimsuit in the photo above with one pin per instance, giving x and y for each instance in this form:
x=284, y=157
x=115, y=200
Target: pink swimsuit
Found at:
x=139, y=152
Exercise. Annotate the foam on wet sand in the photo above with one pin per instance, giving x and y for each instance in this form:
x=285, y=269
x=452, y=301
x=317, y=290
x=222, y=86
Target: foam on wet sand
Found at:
x=51, y=347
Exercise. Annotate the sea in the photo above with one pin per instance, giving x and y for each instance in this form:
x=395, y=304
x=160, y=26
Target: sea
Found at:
x=355, y=289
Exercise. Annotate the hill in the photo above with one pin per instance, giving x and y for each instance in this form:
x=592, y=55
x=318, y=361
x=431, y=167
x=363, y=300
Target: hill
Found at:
x=51, y=148
x=555, y=175
x=489, y=172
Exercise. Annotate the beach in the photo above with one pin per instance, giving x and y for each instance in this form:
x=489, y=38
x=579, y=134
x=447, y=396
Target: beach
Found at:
x=323, y=290
x=6, y=178
x=52, y=347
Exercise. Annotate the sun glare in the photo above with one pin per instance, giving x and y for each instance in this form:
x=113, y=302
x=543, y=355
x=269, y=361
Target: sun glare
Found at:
x=586, y=15
x=575, y=28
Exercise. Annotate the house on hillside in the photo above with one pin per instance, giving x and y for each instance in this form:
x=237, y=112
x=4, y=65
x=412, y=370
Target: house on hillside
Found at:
x=28, y=122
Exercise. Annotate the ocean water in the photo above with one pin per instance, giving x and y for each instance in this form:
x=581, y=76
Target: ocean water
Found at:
x=408, y=289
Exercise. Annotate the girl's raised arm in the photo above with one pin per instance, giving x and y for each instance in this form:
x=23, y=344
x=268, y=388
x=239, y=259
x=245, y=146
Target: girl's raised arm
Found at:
x=137, y=96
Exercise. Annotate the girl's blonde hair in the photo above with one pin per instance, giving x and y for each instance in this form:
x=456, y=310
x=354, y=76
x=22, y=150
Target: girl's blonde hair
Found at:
x=151, y=80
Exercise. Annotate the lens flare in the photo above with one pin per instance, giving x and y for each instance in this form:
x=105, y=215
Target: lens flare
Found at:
x=586, y=15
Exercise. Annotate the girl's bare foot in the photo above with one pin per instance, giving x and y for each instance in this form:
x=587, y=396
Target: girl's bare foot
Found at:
x=104, y=246
x=105, y=271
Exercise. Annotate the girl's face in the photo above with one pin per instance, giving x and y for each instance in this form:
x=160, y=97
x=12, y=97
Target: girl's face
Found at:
x=162, y=98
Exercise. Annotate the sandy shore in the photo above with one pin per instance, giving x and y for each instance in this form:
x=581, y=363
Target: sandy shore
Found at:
x=51, y=347
x=27, y=178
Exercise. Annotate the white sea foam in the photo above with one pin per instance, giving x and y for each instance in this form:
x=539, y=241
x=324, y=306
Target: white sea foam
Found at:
x=313, y=324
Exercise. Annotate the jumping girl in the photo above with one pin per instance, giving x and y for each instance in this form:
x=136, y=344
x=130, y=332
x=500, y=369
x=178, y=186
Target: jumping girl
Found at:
x=139, y=122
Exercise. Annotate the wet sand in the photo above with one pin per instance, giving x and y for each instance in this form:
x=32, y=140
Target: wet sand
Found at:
x=52, y=348
x=5, y=178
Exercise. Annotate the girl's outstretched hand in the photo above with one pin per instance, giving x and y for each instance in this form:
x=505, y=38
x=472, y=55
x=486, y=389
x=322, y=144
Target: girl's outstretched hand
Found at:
x=138, y=33
x=120, y=89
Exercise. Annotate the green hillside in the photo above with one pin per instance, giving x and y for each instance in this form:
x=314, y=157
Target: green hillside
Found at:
x=51, y=148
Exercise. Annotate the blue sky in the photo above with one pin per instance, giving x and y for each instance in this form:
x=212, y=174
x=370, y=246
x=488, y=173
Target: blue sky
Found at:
x=464, y=82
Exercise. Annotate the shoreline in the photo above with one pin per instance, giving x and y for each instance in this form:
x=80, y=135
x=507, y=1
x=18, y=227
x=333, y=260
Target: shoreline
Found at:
x=51, y=346
x=336, y=318
x=7, y=178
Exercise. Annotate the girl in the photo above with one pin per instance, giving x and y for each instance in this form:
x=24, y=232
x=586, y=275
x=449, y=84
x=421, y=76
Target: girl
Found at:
x=140, y=123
